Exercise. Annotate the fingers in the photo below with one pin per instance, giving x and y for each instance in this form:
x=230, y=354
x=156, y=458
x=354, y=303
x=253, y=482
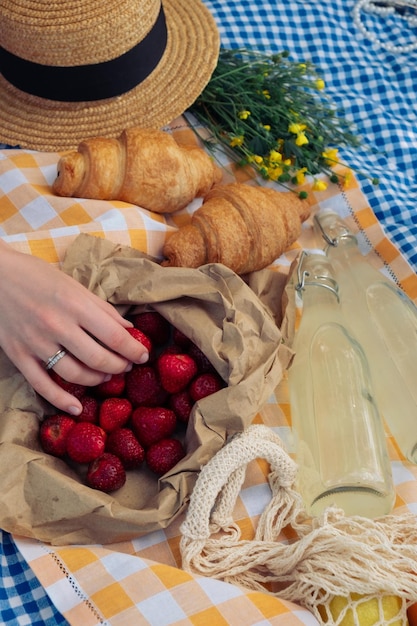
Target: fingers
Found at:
x=99, y=338
x=94, y=364
x=104, y=364
x=70, y=370
x=108, y=353
x=109, y=309
x=73, y=371
x=43, y=384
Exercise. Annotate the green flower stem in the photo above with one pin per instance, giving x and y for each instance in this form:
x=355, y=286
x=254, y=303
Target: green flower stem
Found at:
x=254, y=101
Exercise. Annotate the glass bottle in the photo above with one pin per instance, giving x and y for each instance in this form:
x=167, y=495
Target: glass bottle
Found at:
x=384, y=320
x=339, y=435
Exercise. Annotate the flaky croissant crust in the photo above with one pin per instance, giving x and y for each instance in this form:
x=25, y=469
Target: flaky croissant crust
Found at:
x=241, y=226
x=143, y=166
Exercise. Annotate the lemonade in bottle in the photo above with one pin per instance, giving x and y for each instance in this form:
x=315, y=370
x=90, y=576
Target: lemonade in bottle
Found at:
x=339, y=435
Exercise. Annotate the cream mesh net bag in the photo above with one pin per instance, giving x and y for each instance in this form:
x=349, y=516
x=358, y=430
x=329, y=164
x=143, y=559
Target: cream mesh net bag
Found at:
x=343, y=569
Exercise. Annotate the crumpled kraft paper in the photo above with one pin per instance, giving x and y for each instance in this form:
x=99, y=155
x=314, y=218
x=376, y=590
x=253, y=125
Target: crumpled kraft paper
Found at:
x=42, y=497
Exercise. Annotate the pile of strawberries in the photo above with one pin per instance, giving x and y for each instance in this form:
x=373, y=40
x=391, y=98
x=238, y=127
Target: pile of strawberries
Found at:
x=135, y=419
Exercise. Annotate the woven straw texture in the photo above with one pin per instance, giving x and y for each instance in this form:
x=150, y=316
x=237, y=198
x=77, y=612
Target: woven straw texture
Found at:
x=94, y=32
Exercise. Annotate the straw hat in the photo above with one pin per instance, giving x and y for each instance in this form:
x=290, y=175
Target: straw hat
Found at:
x=73, y=69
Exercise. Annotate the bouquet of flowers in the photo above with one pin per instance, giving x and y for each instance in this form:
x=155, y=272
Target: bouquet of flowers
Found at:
x=272, y=113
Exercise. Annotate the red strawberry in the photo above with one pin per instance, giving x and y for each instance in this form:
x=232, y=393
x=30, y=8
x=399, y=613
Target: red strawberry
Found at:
x=204, y=385
x=85, y=442
x=163, y=455
x=111, y=388
x=180, y=339
x=143, y=386
x=203, y=363
x=181, y=403
x=123, y=443
x=141, y=337
x=176, y=371
x=114, y=413
x=172, y=348
x=106, y=473
x=151, y=424
x=154, y=325
x=53, y=433
x=90, y=410
x=74, y=389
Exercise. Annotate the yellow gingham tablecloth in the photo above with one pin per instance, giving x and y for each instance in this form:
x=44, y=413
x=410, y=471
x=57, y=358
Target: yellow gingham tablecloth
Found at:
x=140, y=581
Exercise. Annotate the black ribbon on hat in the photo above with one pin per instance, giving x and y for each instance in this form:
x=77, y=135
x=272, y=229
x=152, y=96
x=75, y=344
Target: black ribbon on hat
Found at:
x=88, y=82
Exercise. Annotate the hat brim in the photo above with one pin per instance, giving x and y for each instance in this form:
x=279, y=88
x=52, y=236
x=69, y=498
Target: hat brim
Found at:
x=181, y=75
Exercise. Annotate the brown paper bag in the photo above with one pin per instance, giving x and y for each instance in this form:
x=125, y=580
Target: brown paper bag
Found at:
x=42, y=497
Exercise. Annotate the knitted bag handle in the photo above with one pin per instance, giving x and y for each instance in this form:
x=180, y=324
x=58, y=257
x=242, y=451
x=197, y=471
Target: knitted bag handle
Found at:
x=331, y=556
x=220, y=481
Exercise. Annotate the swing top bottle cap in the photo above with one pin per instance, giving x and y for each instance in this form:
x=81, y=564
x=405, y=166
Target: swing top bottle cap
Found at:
x=316, y=269
x=332, y=228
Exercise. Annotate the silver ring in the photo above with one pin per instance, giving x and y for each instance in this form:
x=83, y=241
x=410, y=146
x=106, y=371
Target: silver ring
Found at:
x=53, y=360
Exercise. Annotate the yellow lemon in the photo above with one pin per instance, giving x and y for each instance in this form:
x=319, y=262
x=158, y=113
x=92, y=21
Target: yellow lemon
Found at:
x=366, y=610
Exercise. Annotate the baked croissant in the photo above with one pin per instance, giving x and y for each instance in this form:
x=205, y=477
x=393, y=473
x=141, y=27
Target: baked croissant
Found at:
x=243, y=227
x=144, y=167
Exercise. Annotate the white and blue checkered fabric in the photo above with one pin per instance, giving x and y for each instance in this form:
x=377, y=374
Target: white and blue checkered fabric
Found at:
x=374, y=88
x=23, y=602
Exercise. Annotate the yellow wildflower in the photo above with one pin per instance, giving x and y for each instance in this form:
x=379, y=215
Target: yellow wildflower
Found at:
x=236, y=141
x=296, y=128
x=274, y=173
x=301, y=140
x=320, y=84
x=319, y=185
x=300, y=176
x=243, y=115
x=267, y=127
x=287, y=162
x=266, y=94
x=258, y=159
x=330, y=155
x=275, y=156
x=347, y=179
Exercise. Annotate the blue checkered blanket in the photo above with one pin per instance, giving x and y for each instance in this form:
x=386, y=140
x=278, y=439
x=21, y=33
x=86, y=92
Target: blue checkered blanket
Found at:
x=23, y=601
x=375, y=89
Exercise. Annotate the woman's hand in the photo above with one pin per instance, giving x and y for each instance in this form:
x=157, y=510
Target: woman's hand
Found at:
x=43, y=310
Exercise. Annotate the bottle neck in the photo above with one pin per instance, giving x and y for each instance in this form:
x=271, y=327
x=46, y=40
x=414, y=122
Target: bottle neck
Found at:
x=315, y=294
x=316, y=281
x=345, y=248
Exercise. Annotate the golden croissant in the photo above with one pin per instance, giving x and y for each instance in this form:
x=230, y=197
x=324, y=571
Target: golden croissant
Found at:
x=144, y=167
x=243, y=227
